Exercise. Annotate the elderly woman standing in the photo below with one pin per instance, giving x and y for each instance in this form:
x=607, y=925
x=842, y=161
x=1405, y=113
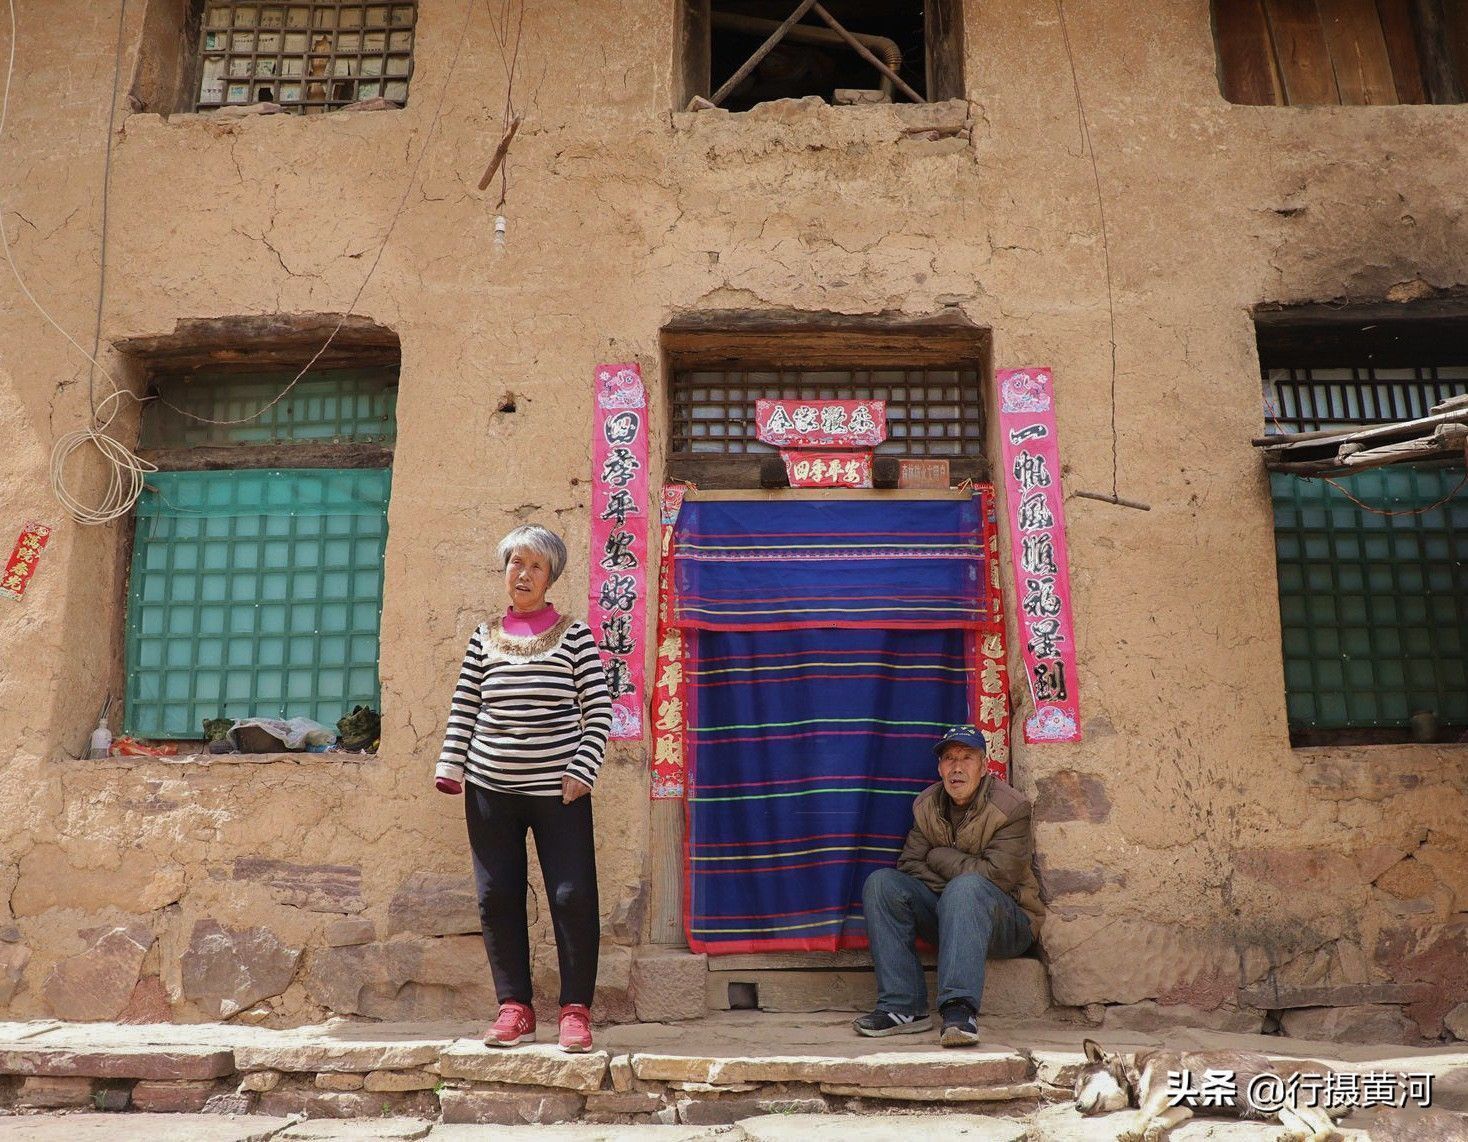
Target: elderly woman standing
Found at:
x=526, y=734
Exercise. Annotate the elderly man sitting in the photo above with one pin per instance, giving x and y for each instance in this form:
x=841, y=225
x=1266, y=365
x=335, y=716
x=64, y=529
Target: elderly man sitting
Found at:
x=962, y=881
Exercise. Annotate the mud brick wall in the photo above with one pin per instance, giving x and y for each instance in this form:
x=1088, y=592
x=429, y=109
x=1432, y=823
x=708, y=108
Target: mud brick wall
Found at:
x=1194, y=862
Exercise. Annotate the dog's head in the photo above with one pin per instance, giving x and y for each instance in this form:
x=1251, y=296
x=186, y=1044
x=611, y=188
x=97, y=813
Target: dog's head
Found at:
x=1102, y=1083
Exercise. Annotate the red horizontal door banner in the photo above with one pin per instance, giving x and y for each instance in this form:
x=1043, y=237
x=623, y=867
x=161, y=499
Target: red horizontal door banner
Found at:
x=828, y=469
x=821, y=423
x=617, y=610
x=1036, y=512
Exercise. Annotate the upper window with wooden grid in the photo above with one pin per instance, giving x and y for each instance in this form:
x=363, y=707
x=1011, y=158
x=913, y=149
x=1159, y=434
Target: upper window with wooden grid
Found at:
x=739, y=53
x=307, y=57
x=932, y=413
x=1305, y=53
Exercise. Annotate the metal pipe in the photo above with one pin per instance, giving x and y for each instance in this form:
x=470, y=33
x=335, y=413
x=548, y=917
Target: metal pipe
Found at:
x=804, y=33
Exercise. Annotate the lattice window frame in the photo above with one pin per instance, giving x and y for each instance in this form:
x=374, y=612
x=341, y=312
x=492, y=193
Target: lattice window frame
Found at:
x=348, y=51
x=1373, y=609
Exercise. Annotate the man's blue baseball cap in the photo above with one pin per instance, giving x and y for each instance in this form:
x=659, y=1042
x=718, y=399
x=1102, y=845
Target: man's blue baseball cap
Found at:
x=961, y=735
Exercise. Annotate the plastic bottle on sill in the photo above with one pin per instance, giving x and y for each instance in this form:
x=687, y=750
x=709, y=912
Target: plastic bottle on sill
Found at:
x=101, y=740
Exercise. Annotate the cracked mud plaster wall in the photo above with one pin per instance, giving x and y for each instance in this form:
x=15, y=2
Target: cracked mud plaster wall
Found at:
x=1194, y=861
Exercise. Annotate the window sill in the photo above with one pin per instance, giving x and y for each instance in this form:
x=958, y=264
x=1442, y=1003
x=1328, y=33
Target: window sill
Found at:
x=132, y=761
x=247, y=114
x=926, y=128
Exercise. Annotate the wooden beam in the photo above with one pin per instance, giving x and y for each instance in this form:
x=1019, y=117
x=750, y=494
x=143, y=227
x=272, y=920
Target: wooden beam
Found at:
x=1378, y=432
x=748, y=471
x=837, y=494
x=796, y=344
x=760, y=52
x=255, y=456
x=1247, y=72
x=1304, y=59
x=1358, y=55
x=1400, y=33
x=258, y=342
x=1440, y=72
x=665, y=873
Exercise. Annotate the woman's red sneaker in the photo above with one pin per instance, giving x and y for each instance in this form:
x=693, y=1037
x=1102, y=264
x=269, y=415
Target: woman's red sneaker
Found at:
x=575, y=1028
x=515, y=1025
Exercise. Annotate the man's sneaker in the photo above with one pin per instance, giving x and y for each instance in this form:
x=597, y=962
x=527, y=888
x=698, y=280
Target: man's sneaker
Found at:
x=515, y=1025
x=881, y=1022
x=960, y=1027
x=575, y=1028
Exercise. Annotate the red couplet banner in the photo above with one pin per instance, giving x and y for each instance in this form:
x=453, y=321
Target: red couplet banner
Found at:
x=23, y=560
x=617, y=610
x=1041, y=558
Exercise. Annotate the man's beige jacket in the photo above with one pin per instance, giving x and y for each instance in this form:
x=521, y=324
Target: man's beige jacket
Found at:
x=992, y=839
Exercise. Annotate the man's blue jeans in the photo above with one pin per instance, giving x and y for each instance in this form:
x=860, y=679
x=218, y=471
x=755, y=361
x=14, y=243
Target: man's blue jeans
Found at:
x=970, y=921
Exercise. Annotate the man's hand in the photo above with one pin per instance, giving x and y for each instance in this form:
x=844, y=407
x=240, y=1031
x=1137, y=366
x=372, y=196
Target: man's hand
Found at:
x=448, y=785
x=573, y=788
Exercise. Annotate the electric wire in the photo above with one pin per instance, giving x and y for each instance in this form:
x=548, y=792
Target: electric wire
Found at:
x=126, y=470
x=1090, y=150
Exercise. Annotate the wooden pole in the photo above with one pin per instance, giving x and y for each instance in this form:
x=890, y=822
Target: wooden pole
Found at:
x=499, y=153
x=866, y=53
x=763, y=50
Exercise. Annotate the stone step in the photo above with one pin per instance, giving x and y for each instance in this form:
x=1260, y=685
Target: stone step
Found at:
x=1017, y=988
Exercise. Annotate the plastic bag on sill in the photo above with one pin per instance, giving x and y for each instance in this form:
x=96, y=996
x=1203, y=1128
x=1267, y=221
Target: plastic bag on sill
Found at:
x=294, y=735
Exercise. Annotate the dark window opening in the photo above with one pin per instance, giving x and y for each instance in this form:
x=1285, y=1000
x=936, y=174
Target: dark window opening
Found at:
x=921, y=42
x=1373, y=607
x=1331, y=52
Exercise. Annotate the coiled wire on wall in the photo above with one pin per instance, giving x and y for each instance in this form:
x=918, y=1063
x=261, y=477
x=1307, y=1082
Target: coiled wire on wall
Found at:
x=126, y=470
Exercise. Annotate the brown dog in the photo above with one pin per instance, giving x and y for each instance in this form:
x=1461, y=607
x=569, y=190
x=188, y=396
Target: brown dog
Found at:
x=1114, y=1082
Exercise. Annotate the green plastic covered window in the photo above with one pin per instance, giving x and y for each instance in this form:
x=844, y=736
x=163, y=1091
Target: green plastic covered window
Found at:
x=1374, y=608
x=254, y=593
x=324, y=406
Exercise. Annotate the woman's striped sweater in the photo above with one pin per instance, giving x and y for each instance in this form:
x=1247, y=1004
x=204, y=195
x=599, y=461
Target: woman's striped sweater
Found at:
x=528, y=711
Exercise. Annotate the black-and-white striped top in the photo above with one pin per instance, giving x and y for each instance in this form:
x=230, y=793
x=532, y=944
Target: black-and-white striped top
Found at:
x=528, y=711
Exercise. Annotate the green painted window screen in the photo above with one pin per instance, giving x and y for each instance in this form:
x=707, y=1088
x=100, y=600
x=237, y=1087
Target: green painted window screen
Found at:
x=1374, y=608
x=254, y=593
x=326, y=405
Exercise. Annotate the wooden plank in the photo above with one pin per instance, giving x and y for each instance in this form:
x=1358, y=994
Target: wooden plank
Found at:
x=665, y=873
x=1363, y=70
x=1247, y=72
x=1300, y=49
x=241, y=456
x=835, y=348
x=1442, y=45
x=694, y=54
x=1401, y=47
x=943, y=42
x=853, y=494
x=732, y=472
x=1455, y=33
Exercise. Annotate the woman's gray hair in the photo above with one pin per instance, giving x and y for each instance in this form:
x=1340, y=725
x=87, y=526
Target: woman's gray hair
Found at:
x=541, y=540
